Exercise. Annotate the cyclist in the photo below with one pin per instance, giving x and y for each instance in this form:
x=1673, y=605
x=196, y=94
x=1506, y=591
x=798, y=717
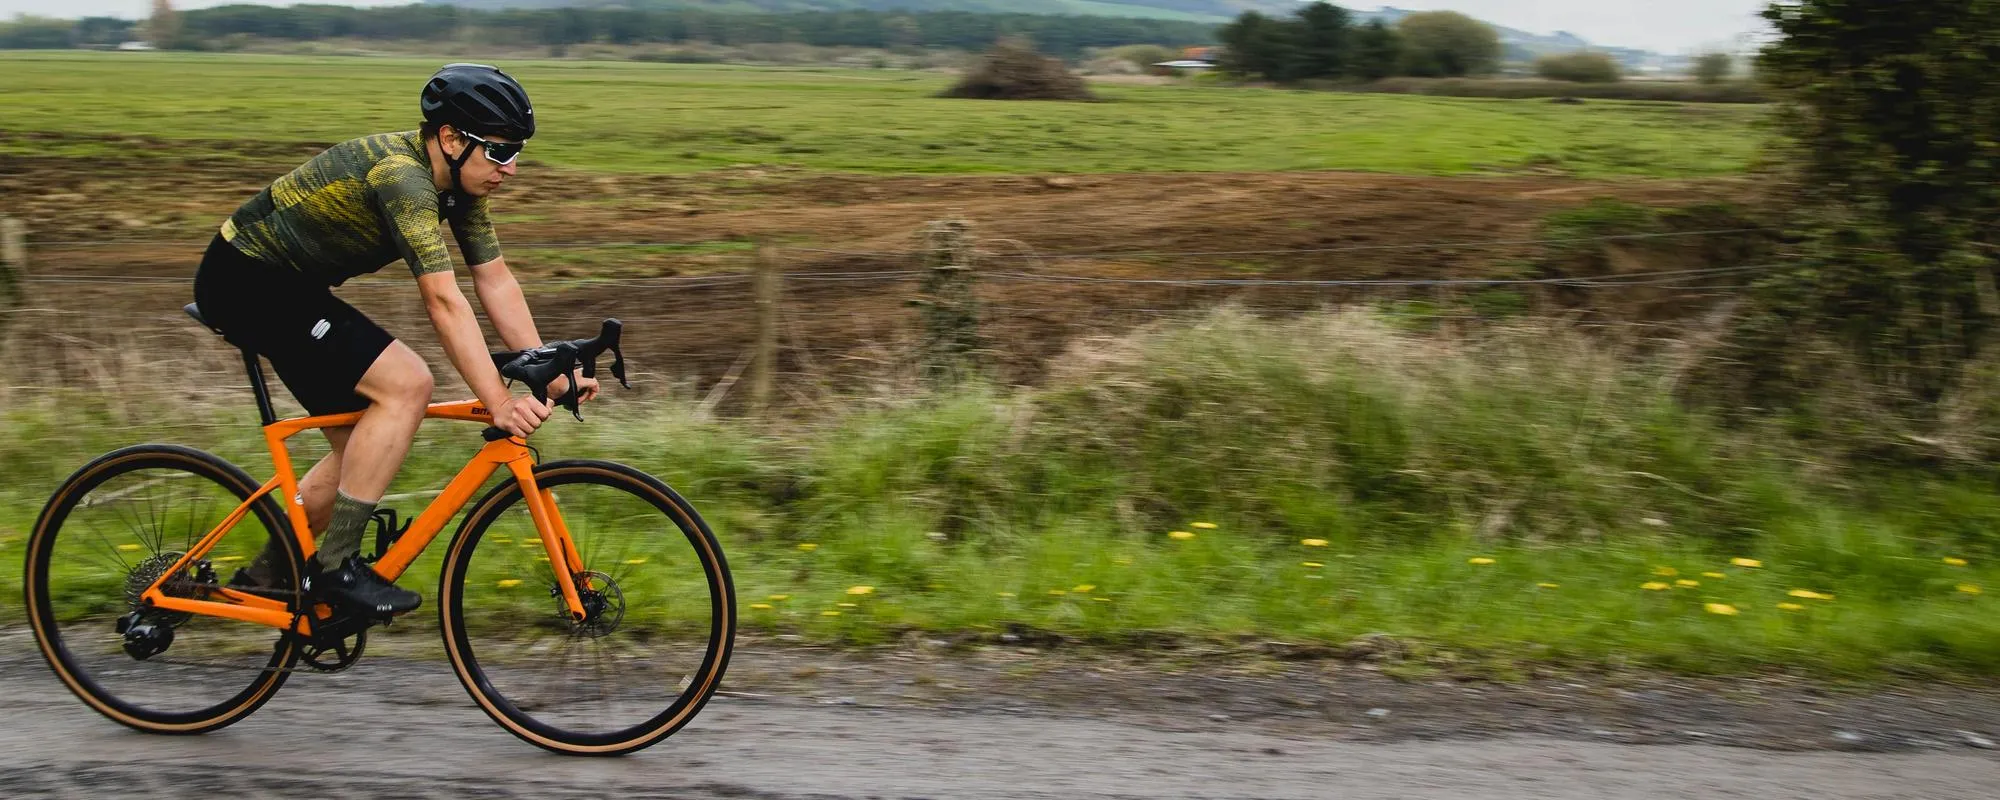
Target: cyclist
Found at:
x=266, y=284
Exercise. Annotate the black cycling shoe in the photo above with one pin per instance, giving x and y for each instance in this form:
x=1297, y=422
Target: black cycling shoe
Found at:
x=356, y=586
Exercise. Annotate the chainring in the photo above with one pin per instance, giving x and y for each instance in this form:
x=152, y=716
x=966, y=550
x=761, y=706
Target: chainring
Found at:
x=314, y=654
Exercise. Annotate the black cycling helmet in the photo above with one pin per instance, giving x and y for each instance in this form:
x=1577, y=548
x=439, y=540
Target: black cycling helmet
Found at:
x=480, y=100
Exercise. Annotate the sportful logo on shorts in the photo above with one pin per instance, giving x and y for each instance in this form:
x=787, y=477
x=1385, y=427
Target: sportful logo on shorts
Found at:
x=320, y=329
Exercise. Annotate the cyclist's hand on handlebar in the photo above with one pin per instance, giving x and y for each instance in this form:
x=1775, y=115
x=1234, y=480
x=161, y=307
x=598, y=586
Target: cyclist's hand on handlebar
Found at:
x=586, y=386
x=521, y=415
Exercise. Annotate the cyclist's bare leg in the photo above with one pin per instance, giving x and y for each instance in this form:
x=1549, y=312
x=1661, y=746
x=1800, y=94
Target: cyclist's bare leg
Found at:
x=398, y=387
x=316, y=489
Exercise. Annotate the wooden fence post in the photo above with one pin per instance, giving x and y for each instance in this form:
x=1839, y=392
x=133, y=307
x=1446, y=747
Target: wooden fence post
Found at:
x=765, y=288
x=13, y=259
x=950, y=313
x=13, y=271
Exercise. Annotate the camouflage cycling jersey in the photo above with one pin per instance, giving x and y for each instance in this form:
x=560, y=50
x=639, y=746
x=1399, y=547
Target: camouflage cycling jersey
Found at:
x=353, y=209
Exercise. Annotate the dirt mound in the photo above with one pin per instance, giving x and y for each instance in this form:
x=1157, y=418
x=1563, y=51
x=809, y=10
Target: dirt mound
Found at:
x=1012, y=70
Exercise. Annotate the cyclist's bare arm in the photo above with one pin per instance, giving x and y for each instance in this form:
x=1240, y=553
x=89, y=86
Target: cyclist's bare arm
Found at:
x=458, y=329
x=507, y=307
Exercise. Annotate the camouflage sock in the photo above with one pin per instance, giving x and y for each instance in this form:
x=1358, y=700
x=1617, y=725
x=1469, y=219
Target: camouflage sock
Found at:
x=343, y=532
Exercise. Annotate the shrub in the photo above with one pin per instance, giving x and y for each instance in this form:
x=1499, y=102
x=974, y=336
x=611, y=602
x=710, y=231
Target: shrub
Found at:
x=1713, y=68
x=1012, y=70
x=1583, y=66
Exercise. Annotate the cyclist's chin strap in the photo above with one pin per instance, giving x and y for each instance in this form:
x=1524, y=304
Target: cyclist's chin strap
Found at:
x=454, y=202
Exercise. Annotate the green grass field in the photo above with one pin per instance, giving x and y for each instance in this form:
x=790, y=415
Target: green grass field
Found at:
x=633, y=117
x=1528, y=498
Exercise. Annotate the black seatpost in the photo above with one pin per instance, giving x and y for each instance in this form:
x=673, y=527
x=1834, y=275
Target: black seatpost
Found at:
x=256, y=370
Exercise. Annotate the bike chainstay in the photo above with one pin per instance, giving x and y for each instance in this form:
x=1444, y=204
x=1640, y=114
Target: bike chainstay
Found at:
x=275, y=594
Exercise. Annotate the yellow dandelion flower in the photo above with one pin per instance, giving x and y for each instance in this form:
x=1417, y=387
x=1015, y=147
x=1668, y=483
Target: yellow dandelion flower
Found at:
x=1654, y=586
x=1084, y=588
x=1480, y=561
x=1687, y=584
x=829, y=613
x=1006, y=594
x=1549, y=585
x=1058, y=592
x=1969, y=588
x=1313, y=542
x=510, y=583
x=1206, y=526
x=860, y=590
x=1724, y=609
x=229, y=559
x=1180, y=535
x=1102, y=599
x=1956, y=562
x=1791, y=607
x=847, y=605
x=543, y=559
x=779, y=598
x=807, y=547
x=1716, y=575
x=128, y=547
x=635, y=561
x=1809, y=594
x=1312, y=564
x=1749, y=563
x=1666, y=572
x=761, y=606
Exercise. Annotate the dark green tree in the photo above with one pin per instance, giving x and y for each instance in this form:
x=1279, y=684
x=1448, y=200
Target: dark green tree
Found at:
x=1259, y=46
x=1890, y=114
x=1324, y=33
x=1378, y=51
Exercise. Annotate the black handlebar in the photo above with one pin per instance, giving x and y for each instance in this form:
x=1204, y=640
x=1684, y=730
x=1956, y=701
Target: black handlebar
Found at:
x=542, y=365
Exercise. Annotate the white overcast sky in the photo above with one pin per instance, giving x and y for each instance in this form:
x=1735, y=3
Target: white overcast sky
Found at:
x=1668, y=27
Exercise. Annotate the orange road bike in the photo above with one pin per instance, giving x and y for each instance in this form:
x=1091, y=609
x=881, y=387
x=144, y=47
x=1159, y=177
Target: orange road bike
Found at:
x=584, y=604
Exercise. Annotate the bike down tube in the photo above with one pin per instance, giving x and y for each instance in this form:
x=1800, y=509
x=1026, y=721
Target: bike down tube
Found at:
x=557, y=542
x=447, y=504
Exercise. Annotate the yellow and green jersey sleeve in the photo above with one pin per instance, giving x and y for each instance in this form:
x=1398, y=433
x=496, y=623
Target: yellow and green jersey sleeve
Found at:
x=356, y=207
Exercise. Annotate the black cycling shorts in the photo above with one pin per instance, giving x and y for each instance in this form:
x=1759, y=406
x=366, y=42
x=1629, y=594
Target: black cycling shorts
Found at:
x=319, y=345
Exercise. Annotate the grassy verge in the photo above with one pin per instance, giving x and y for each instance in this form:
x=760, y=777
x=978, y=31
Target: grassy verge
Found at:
x=628, y=117
x=1528, y=496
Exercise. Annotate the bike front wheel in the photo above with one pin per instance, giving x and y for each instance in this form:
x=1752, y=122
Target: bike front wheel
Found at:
x=660, y=611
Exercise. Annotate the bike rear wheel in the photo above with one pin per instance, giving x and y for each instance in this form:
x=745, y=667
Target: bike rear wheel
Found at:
x=109, y=532
x=661, y=611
